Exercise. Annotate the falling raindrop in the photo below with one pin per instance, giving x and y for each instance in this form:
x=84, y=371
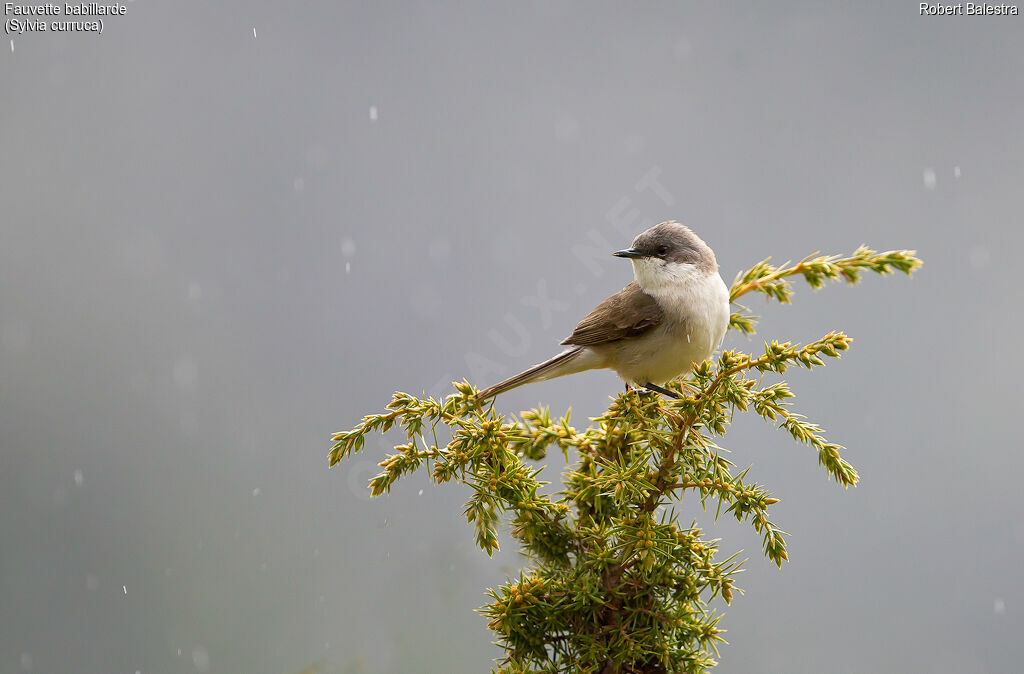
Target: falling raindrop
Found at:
x=567, y=129
x=929, y=178
x=139, y=381
x=16, y=336
x=125, y=588
x=373, y=113
x=186, y=373
x=79, y=478
x=682, y=49
x=999, y=606
x=634, y=143
x=188, y=422
x=256, y=491
x=980, y=257
x=201, y=659
x=348, y=267
x=254, y=32
x=421, y=493
x=956, y=171
x=439, y=250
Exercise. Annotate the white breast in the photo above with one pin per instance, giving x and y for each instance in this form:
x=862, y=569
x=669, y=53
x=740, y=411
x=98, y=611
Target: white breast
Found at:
x=696, y=307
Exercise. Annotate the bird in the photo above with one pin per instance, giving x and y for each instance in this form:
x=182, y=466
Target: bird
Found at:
x=672, y=317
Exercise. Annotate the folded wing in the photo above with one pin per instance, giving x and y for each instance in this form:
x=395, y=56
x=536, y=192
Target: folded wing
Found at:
x=628, y=313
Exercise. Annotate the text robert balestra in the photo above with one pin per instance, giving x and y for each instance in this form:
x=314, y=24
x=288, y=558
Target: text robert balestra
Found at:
x=967, y=9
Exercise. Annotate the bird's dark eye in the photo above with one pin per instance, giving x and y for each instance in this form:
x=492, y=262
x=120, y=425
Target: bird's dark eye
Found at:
x=662, y=250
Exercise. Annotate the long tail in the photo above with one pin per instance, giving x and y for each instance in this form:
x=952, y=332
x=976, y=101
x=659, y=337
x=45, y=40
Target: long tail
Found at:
x=549, y=369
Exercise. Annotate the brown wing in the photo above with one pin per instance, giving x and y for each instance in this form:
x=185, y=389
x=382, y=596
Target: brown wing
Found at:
x=628, y=313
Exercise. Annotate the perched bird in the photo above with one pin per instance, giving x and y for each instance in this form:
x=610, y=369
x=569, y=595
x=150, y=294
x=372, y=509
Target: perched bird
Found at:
x=671, y=317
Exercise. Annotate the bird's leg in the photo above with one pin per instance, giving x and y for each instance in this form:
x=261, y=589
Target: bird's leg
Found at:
x=662, y=390
x=640, y=390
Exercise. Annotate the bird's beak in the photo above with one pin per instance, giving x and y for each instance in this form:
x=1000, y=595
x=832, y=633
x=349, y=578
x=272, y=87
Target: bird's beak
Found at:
x=628, y=252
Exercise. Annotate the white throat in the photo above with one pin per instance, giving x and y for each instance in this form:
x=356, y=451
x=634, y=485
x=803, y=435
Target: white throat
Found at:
x=656, y=277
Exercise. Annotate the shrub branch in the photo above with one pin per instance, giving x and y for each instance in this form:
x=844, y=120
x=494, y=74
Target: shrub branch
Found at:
x=617, y=583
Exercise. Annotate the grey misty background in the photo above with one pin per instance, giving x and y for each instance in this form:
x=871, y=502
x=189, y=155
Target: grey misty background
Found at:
x=212, y=256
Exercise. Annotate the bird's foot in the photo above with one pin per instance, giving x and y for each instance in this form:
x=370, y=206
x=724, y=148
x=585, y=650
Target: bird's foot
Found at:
x=662, y=390
x=639, y=390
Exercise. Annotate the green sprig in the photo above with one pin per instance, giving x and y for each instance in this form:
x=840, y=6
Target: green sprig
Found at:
x=617, y=584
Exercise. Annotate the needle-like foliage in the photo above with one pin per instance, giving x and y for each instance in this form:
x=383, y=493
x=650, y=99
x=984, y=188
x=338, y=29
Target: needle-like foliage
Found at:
x=617, y=582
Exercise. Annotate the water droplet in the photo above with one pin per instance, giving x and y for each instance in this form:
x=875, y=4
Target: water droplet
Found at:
x=682, y=49
x=421, y=493
x=139, y=381
x=16, y=336
x=348, y=267
x=373, y=113
x=254, y=32
x=567, y=129
x=999, y=606
x=425, y=300
x=929, y=178
x=201, y=659
x=79, y=478
x=188, y=422
x=186, y=373
x=317, y=156
x=439, y=251
x=12, y=46
x=956, y=171
x=256, y=491
x=633, y=143
x=125, y=588
x=980, y=257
